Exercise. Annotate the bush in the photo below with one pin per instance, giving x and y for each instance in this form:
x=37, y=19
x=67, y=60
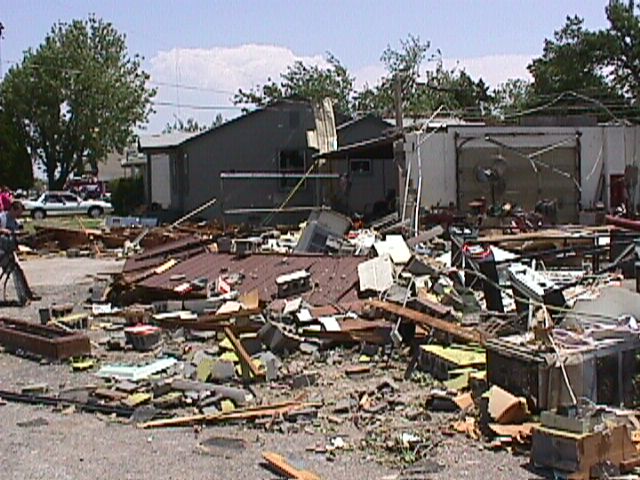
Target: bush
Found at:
x=127, y=194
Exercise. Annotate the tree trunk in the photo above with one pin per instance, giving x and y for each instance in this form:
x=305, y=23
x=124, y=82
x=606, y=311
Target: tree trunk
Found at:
x=51, y=179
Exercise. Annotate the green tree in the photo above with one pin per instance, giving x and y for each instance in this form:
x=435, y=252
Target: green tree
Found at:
x=571, y=61
x=77, y=97
x=622, y=41
x=510, y=97
x=421, y=93
x=192, y=125
x=311, y=82
x=592, y=71
x=16, y=170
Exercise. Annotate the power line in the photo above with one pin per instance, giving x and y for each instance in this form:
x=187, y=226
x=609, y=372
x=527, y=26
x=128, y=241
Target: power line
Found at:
x=612, y=106
x=190, y=87
x=195, y=107
x=159, y=83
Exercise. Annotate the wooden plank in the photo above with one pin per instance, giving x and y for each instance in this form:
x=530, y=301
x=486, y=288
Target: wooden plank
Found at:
x=252, y=413
x=280, y=465
x=457, y=331
x=210, y=322
x=165, y=266
x=246, y=362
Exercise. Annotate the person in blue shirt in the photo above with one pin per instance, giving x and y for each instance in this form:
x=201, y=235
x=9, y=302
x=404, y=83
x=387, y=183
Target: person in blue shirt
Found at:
x=9, y=264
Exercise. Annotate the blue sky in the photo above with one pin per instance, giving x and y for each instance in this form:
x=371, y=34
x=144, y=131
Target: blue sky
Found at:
x=219, y=46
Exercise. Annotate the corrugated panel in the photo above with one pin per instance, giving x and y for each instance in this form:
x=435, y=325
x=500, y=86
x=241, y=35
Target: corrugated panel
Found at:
x=334, y=279
x=152, y=257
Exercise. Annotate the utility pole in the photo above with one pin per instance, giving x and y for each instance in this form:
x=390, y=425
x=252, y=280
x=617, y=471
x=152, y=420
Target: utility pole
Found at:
x=399, y=155
x=398, y=101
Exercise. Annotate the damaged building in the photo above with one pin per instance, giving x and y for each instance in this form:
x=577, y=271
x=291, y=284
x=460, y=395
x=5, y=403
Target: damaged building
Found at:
x=261, y=160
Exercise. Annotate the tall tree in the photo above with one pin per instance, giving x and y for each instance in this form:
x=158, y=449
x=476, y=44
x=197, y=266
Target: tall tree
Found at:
x=77, y=97
x=570, y=61
x=622, y=40
x=600, y=68
x=421, y=93
x=312, y=82
x=16, y=170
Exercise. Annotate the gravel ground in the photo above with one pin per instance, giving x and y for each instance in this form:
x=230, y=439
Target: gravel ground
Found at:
x=41, y=443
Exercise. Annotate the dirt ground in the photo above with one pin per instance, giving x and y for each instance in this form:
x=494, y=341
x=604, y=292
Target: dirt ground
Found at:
x=42, y=443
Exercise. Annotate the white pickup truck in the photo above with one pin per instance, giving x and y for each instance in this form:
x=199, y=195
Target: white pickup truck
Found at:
x=65, y=203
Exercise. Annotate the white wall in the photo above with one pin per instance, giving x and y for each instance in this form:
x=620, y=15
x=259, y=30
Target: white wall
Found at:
x=613, y=147
x=438, y=158
x=161, y=179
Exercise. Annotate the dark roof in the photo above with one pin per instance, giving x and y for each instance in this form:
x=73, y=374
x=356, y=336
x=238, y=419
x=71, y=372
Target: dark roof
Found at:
x=334, y=279
x=156, y=256
x=365, y=118
x=190, y=137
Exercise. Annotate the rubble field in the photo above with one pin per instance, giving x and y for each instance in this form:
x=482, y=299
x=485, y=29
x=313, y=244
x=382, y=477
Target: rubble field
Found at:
x=324, y=352
x=43, y=443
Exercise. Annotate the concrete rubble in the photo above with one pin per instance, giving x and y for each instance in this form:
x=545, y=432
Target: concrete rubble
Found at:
x=529, y=341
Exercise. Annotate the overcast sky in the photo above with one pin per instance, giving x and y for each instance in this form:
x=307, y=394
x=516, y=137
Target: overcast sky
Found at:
x=220, y=46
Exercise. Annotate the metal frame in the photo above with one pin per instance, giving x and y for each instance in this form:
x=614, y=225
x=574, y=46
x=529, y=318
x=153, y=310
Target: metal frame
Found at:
x=42, y=340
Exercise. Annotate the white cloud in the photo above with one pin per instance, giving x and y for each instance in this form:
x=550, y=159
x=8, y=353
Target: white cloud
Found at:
x=219, y=72
x=225, y=68
x=369, y=75
x=494, y=69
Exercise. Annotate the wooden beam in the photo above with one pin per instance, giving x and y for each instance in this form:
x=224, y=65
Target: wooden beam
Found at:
x=419, y=318
x=246, y=362
x=252, y=413
x=282, y=467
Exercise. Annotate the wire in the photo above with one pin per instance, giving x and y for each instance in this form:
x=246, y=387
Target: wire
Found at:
x=613, y=106
x=195, y=107
x=189, y=87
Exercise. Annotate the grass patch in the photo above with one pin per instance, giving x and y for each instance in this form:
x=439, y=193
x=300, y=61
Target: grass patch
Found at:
x=70, y=222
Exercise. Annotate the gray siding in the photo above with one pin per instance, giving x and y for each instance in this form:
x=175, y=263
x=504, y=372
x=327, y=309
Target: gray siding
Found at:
x=365, y=189
x=249, y=144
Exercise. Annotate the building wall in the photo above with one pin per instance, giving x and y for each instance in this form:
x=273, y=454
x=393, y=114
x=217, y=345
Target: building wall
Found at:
x=608, y=147
x=112, y=168
x=249, y=144
x=160, y=180
x=365, y=189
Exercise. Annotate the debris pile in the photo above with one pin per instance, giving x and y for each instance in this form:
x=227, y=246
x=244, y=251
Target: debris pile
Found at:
x=525, y=341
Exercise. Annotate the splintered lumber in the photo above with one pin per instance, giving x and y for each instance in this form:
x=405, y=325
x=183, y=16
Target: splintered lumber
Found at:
x=279, y=464
x=246, y=362
x=419, y=318
x=252, y=413
x=211, y=322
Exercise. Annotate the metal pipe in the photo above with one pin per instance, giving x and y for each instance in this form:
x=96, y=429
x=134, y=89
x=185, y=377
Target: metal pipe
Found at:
x=54, y=401
x=192, y=213
x=241, y=211
x=276, y=176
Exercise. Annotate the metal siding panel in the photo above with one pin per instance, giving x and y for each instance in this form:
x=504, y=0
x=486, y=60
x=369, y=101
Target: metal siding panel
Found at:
x=523, y=186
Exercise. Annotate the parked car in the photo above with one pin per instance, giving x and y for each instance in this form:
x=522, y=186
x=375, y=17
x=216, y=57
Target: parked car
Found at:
x=65, y=203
